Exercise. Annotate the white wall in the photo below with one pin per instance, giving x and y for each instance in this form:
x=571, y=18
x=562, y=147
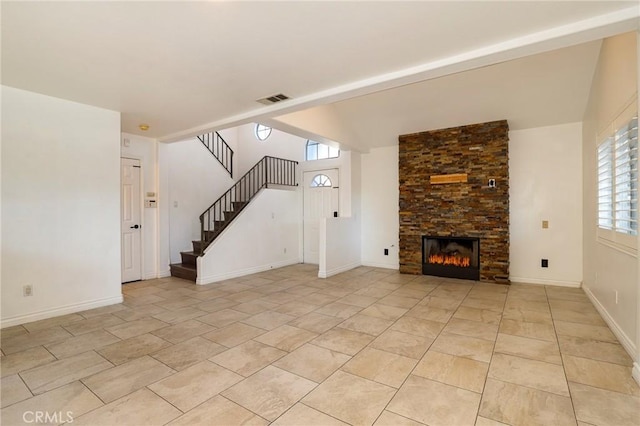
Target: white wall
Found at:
x=265, y=235
x=339, y=245
x=545, y=183
x=250, y=150
x=146, y=150
x=379, y=204
x=608, y=270
x=195, y=181
x=60, y=206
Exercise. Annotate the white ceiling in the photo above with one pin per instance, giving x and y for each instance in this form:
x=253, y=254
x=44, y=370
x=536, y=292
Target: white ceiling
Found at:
x=180, y=66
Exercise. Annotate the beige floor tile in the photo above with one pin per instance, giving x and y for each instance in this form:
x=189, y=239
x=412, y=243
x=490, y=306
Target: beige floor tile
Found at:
x=374, y=292
x=215, y=305
x=358, y=300
x=12, y=390
x=528, y=329
x=450, y=303
x=315, y=322
x=25, y=360
x=296, y=308
x=579, y=317
x=385, y=312
x=188, y=353
x=513, y=404
x=523, y=315
x=91, y=313
x=312, y=362
x=180, y=315
x=600, y=374
x=366, y=324
x=234, y=334
x=489, y=305
x=526, y=372
x=399, y=301
x=475, y=314
x=134, y=313
x=270, y=392
x=464, y=346
x=387, y=418
x=13, y=331
x=453, y=370
x=85, y=342
x=339, y=310
x=585, y=331
x=73, y=399
x=221, y=411
x=343, y=340
x=525, y=347
x=119, y=381
x=350, y=398
x=93, y=324
x=301, y=414
x=223, y=317
x=430, y=313
x=527, y=305
x=594, y=349
x=319, y=299
x=602, y=407
x=139, y=408
x=409, y=345
x=23, y=342
x=191, y=387
x=183, y=331
x=247, y=358
x=268, y=320
x=418, y=326
x=55, y=374
x=135, y=347
x=380, y=366
x=136, y=328
x=472, y=328
x=244, y=296
x=584, y=306
x=483, y=421
x=175, y=303
x=255, y=307
x=434, y=403
x=286, y=337
x=52, y=322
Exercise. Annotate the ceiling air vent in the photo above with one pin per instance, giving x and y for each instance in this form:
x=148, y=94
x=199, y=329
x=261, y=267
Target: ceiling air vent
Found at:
x=273, y=99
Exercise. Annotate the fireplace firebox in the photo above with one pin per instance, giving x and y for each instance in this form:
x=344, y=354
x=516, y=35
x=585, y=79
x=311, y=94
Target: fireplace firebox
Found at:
x=451, y=257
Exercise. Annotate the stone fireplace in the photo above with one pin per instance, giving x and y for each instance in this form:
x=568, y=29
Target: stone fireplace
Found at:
x=454, y=183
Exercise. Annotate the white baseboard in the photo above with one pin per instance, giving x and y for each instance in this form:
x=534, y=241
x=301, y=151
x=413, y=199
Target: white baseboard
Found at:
x=164, y=274
x=558, y=283
x=636, y=372
x=625, y=341
x=335, y=271
x=150, y=276
x=242, y=272
x=63, y=310
x=381, y=265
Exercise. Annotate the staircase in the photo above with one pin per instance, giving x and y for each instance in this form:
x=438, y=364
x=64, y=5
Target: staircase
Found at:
x=269, y=171
x=219, y=148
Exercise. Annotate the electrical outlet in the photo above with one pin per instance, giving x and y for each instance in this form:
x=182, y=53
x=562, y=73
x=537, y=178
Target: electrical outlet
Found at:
x=544, y=263
x=545, y=224
x=386, y=252
x=285, y=250
x=27, y=290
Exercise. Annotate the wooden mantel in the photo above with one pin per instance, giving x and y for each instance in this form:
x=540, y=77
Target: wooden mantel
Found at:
x=454, y=178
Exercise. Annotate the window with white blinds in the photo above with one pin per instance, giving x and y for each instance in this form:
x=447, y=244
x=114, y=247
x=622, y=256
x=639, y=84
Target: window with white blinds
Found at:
x=618, y=179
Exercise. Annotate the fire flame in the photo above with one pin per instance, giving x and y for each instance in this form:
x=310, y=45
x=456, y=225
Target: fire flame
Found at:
x=440, y=259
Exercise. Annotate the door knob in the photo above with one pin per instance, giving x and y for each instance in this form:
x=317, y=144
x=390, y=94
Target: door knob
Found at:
x=135, y=227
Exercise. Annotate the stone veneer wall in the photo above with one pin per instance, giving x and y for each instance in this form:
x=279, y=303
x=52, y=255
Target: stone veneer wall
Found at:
x=469, y=209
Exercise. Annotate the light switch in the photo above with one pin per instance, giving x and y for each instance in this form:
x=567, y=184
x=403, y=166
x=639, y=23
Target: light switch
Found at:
x=545, y=224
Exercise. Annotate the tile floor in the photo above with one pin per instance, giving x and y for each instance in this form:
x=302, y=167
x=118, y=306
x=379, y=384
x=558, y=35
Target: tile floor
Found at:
x=368, y=346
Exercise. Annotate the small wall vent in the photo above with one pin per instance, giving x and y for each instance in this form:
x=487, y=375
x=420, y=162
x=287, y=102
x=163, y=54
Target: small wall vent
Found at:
x=273, y=99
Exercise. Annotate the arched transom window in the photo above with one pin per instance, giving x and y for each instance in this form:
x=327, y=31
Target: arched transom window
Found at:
x=320, y=181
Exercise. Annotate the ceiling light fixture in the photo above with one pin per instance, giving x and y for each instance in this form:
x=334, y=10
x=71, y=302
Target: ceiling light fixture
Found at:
x=144, y=127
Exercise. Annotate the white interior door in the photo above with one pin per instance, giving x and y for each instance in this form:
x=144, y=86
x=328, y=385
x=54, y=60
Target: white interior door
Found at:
x=321, y=198
x=130, y=213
